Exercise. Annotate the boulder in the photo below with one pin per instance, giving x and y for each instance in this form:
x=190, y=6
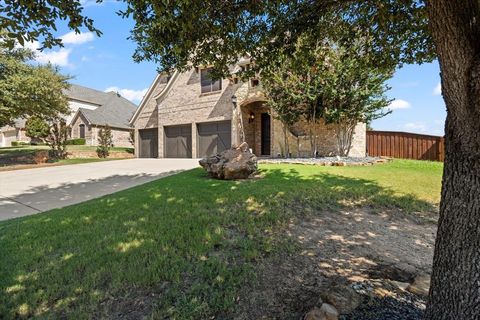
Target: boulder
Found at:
x=325, y=312
x=235, y=163
x=420, y=285
x=341, y=296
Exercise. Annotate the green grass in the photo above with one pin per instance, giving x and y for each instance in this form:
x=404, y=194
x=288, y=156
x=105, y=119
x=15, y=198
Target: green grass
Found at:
x=20, y=150
x=183, y=246
x=24, y=150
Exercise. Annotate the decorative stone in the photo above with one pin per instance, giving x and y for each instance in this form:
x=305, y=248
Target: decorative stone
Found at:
x=329, y=311
x=236, y=163
x=420, y=285
x=325, y=312
x=401, y=285
x=342, y=297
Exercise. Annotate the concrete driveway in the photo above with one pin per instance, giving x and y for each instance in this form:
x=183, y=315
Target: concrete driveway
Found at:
x=30, y=191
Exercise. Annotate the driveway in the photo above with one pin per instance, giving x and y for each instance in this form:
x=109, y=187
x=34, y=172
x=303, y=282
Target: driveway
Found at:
x=30, y=191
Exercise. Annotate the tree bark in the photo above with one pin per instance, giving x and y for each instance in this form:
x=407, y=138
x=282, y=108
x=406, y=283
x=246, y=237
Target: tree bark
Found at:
x=455, y=286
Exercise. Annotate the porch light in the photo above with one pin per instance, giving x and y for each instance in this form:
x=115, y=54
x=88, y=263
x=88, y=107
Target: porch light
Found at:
x=234, y=101
x=251, y=117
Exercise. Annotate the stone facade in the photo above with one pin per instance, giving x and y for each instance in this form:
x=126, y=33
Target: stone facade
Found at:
x=301, y=146
x=9, y=134
x=121, y=137
x=182, y=103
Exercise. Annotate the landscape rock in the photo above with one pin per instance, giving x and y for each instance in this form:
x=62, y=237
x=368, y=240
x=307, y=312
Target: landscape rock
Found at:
x=325, y=312
x=420, y=285
x=235, y=163
x=344, y=298
x=402, y=272
x=401, y=285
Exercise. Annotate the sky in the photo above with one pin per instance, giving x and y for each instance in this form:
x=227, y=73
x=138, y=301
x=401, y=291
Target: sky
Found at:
x=105, y=63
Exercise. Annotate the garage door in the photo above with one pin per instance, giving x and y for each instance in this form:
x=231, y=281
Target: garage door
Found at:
x=214, y=137
x=178, y=141
x=148, y=143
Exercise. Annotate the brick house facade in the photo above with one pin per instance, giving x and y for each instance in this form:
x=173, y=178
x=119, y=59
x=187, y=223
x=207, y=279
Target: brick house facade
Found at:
x=179, y=118
x=111, y=109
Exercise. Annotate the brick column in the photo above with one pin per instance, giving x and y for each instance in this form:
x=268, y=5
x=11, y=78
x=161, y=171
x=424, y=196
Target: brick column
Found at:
x=161, y=151
x=194, y=140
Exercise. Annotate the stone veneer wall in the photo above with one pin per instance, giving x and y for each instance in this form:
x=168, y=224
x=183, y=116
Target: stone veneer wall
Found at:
x=75, y=126
x=185, y=104
x=121, y=137
x=326, y=141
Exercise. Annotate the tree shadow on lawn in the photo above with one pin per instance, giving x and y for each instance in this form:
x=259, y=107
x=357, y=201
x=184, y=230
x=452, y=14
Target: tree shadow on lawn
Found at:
x=182, y=246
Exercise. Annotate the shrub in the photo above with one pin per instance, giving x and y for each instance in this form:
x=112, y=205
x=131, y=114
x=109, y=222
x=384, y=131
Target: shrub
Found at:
x=36, y=128
x=57, y=140
x=76, y=142
x=15, y=144
x=105, y=141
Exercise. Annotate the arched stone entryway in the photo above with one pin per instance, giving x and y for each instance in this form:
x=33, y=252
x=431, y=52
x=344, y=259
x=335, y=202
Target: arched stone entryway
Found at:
x=257, y=127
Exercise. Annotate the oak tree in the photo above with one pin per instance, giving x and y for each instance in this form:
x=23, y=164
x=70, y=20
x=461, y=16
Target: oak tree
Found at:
x=173, y=33
x=23, y=89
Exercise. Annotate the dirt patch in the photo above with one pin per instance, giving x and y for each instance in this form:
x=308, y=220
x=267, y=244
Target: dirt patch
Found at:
x=371, y=252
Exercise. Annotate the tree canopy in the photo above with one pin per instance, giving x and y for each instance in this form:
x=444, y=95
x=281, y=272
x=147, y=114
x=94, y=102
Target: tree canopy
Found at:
x=175, y=33
x=321, y=79
x=23, y=89
x=27, y=21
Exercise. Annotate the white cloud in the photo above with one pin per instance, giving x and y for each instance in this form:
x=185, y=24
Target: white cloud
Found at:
x=133, y=95
x=77, y=38
x=399, y=104
x=415, y=126
x=58, y=57
x=437, y=90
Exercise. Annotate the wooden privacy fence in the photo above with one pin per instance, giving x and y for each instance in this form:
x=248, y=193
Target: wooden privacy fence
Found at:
x=405, y=145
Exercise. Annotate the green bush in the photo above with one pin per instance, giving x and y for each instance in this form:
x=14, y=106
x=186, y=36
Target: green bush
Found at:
x=19, y=143
x=105, y=142
x=76, y=142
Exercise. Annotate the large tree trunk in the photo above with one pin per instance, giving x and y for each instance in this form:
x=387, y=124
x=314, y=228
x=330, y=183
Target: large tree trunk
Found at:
x=455, y=288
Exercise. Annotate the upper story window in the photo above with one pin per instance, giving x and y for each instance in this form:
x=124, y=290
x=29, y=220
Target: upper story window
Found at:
x=207, y=83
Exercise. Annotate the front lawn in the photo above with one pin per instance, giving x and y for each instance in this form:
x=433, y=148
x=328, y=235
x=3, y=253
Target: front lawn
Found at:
x=25, y=150
x=183, y=246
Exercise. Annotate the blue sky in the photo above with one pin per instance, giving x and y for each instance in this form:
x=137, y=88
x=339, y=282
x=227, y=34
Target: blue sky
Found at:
x=106, y=63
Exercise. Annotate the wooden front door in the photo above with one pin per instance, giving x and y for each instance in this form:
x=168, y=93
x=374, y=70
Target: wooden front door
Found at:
x=265, y=134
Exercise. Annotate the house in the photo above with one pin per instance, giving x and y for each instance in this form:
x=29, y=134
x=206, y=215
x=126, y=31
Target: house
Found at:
x=189, y=115
x=15, y=132
x=96, y=109
x=90, y=110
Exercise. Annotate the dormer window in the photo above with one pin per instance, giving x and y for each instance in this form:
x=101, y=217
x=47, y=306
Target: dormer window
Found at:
x=207, y=83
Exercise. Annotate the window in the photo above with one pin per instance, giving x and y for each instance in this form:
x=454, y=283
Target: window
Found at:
x=82, y=131
x=207, y=83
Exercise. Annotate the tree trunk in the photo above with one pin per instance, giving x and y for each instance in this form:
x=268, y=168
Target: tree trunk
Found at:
x=455, y=286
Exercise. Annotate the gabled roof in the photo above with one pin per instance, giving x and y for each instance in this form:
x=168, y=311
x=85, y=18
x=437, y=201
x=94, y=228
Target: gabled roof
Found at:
x=147, y=96
x=81, y=93
x=115, y=112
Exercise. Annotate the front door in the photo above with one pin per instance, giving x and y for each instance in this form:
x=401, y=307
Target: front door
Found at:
x=265, y=128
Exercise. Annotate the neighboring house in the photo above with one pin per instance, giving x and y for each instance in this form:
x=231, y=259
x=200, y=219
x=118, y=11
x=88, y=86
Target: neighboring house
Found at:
x=188, y=115
x=90, y=110
x=112, y=110
x=9, y=134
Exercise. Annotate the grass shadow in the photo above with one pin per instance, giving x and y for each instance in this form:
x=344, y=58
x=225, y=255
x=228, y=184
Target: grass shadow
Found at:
x=178, y=247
